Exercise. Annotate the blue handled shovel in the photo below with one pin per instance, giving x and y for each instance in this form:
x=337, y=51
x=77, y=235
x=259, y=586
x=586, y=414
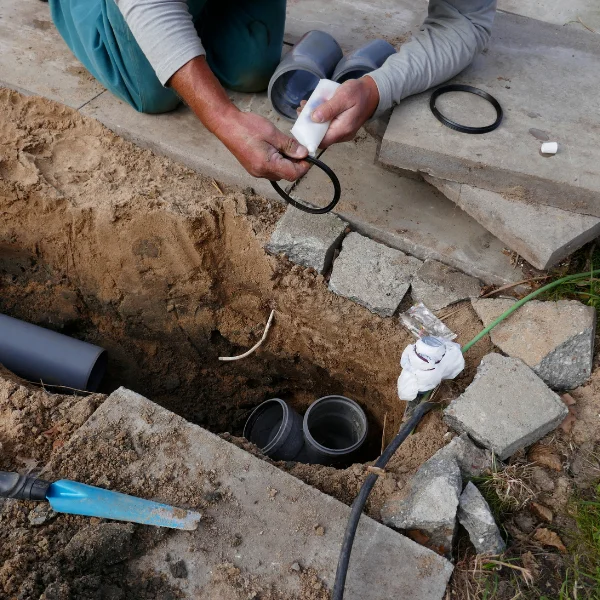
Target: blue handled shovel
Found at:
x=76, y=498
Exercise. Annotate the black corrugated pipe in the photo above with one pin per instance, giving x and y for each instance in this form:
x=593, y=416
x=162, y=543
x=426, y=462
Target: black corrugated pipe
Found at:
x=38, y=354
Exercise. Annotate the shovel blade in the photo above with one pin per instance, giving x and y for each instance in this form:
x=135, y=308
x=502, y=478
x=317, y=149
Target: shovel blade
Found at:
x=79, y=499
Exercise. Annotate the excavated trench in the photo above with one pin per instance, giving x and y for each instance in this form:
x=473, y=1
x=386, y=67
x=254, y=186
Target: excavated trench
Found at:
x=106, y=242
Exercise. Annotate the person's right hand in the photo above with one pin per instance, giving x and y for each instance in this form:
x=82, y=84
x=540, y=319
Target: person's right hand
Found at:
x=259, y=145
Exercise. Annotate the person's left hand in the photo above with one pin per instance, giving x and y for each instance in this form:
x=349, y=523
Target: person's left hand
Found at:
x=352, y=105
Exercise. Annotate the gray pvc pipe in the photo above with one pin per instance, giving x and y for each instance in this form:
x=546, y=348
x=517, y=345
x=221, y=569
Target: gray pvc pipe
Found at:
x=362, y=61
x=313, y=58
x=38, y=354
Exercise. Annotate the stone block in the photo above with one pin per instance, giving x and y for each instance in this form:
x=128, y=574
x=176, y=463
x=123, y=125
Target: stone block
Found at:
x=506, y=408
x=472, y=461
x=555, y=339
x=263, y=521
x=437, y=285
x=426, y=507
x=307, y=240
x=475, y=516
x=373, y=275
x=556, y=235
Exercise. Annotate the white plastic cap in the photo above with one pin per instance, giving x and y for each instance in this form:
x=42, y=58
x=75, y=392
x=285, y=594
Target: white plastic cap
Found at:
x=433, y=353
x=549, y=147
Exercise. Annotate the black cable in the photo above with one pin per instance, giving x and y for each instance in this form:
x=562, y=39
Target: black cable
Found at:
x=337, y=190
x=363, y=494
x=457, y=87
x=22, y=487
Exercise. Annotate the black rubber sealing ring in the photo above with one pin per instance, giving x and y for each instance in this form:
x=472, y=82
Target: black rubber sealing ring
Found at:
x=456, y=87
x=314, y=211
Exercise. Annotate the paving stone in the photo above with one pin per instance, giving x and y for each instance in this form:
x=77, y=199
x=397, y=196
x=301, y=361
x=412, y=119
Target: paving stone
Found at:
x=472, y=461
x=437, y=285
x=271, y=530
x=516, y=69
x=373, y=275
x=307, y=240
x=507, y=407
x=427, y=505
x=475, y=516
x=556, y=235
x=555, y=339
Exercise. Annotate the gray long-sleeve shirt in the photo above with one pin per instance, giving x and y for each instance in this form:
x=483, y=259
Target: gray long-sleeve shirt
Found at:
x=452, y=34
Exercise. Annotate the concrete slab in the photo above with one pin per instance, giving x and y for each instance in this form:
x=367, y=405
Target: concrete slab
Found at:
x=373, y=275
x=437, y=285
x=555, y=339
x=557, y=11
x=270, y=515
x=526, y=59
x=506, y=408
x=306, y=239
x=35, y=60
x=407, y=214
x=556, y=235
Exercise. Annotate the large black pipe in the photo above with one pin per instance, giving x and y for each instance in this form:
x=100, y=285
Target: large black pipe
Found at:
x=41, y=355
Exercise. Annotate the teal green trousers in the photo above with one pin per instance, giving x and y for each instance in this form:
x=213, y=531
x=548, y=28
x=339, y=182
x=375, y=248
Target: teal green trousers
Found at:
x=243, y=40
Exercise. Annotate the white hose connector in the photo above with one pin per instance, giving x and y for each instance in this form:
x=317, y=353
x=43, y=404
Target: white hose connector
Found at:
x=549, y=147
x=305, y=130
x=426, y=363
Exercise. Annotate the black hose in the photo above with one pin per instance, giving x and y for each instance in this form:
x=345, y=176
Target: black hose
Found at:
x=363, y=494
x=22, y=487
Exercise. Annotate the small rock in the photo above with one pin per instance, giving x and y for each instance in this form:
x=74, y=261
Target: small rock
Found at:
x=319, y=530
x=472, y=461
x=555, y=339
x=96, y=546
x=542, y=480
x=307, y=240
x=506, y=408
x=236, y=541
x=295, y=567
x=41, y=514
x=81, y=412
x=427, y=505
x=373, y=275
x=436, y=285
x=524, y=521
x=475, y=516
x=545, y=456
x=541, y=512
x=178, y=569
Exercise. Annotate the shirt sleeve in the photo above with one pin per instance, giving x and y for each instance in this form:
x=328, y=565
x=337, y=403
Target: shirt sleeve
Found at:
x=453, y=33
x=164, y=31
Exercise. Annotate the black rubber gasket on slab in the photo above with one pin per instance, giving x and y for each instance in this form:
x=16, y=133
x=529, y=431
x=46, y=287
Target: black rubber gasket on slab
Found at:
x=337, y=190
x=457, y=87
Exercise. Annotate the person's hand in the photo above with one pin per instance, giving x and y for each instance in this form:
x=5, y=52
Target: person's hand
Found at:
x=258, y=145
x=352, y=105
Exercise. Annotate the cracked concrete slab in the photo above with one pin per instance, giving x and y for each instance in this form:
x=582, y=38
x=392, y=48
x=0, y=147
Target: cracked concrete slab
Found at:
x=523, y=56
x=557, y=233
x=272, y=513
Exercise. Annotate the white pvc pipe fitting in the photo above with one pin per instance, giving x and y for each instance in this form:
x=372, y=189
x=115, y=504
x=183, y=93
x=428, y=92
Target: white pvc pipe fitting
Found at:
x=549, y=147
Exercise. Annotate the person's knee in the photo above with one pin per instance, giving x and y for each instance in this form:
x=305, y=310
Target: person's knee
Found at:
x=156, y=101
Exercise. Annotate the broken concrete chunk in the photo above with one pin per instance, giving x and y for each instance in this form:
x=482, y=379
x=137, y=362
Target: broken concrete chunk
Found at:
x=506, y=408
x=427, y=506
x=472, y=461
x=475, y=516
x=555, y=339
x=557, y=233
x=436, y=285
x=373, y=275
x=307, y=240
